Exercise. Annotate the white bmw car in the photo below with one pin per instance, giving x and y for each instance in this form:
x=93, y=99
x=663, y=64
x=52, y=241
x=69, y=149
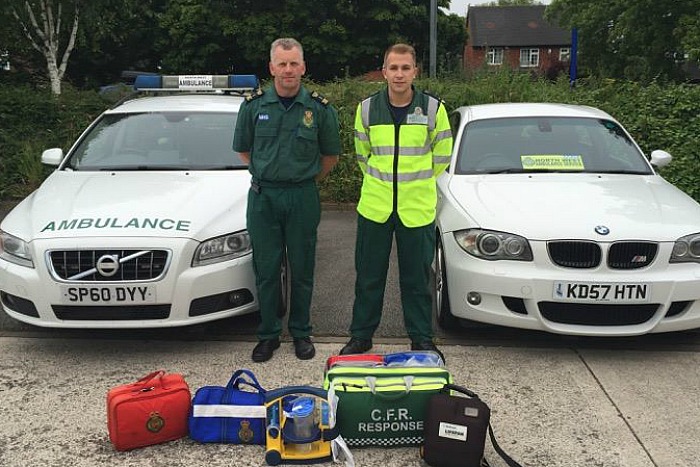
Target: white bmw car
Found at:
x=143, y=222
x=551, y=218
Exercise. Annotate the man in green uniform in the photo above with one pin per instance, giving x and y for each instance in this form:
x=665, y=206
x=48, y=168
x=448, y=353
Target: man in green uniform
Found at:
x=290, y=139
x=403, y=142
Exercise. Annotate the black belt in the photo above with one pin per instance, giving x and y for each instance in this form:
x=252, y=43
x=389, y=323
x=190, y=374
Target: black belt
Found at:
x=257, y=184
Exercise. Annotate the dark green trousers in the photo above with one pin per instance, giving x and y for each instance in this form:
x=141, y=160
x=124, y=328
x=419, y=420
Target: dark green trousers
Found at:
x=415, y=248
x=280, y=217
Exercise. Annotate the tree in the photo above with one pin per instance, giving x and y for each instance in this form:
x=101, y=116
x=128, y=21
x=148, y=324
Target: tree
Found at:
x=117, y=35
x=688, y=33
x=340, y=37
x=191, y=39
x=452, y=35
x=42, y=23
x=324, y=28
x=13, y=48
x=635, y=40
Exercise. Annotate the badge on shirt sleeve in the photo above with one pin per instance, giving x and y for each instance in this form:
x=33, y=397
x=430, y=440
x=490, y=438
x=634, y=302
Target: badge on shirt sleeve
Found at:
x=308, y=118
x=417, y=117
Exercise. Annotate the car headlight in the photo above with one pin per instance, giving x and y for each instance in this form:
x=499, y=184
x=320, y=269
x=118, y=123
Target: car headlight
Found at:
x=15, y=250
x=686, y=249
x=222, y=248
x=492, y=245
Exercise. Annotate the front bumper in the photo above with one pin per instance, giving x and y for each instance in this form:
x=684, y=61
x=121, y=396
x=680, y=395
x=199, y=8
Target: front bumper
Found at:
x=520, y=294
x=184, y=295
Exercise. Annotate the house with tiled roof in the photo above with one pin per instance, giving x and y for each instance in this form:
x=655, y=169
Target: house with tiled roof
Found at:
x=515, y=36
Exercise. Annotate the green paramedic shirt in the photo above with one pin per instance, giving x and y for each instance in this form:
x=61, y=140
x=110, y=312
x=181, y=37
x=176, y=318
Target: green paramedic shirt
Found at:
x=286, y=145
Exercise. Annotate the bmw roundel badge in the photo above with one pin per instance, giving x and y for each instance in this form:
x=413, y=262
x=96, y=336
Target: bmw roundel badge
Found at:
x=602, y=230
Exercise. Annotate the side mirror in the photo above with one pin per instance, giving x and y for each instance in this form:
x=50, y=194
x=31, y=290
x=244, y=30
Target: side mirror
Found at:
x=52, y=156
x=660, y=158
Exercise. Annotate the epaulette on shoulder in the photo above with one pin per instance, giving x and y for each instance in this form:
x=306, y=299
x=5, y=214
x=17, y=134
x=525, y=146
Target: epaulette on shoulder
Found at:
x=431, y=94
x=315, y=95
x=254, y=94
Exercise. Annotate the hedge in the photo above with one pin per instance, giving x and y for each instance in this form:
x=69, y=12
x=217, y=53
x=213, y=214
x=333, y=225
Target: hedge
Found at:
x=659, y=116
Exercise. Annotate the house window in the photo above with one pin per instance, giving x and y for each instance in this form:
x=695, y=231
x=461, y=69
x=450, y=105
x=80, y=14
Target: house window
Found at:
x=529, y=57
x=495, y=56
x=564, y=54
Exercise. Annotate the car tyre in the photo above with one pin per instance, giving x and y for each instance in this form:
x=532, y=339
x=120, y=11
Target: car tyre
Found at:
x=446, y=320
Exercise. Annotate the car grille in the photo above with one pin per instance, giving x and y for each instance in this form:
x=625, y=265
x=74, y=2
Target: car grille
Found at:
x=111, y=313
x=583, y=254
x=598, y=314
x=127, y=265
x=575, y=254
x=631, y=255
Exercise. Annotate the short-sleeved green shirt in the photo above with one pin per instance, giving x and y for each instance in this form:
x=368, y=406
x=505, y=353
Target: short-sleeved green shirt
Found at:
x=286, y=145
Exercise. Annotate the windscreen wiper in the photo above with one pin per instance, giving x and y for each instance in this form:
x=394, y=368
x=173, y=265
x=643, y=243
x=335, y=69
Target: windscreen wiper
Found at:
x=220, y=167
x=135, y=168
x=622, y=171
x=528, y=171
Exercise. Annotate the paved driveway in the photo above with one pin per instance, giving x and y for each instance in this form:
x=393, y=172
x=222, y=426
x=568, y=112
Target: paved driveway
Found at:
x=557, y=401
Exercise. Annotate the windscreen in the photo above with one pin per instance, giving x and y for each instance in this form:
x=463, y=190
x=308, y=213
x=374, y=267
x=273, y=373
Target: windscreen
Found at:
x=159, y=141
x=552, y=144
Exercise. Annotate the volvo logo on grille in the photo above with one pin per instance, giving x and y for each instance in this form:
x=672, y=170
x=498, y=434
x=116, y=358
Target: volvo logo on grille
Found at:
x=602, y=230
x=108, y=265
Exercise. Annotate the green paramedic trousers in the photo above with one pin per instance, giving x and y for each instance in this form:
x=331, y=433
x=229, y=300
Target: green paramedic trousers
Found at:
x=279, y=216
x=415, y=248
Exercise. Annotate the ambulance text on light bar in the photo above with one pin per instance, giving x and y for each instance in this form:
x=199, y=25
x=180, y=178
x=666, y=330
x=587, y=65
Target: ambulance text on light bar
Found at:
x=195, y=82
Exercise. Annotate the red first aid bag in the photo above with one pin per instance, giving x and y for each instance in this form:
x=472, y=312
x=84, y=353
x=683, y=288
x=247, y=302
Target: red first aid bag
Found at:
x=152, y=410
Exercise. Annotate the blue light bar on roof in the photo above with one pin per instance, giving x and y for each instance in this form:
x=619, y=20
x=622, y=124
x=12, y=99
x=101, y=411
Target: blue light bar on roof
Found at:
x=144, y=81
x=243, y=81
x=195, y=82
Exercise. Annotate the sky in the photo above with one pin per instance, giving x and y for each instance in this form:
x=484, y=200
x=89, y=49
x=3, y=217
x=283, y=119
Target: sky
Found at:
x=459, y=7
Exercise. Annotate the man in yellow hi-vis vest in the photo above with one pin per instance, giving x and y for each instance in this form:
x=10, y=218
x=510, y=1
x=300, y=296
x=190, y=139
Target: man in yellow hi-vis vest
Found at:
x=403, y=142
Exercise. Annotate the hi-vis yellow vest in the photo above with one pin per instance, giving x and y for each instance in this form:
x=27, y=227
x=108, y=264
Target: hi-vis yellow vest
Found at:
x=400, y=162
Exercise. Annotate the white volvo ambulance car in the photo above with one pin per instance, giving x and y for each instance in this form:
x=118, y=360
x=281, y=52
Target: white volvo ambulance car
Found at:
x=142, y=224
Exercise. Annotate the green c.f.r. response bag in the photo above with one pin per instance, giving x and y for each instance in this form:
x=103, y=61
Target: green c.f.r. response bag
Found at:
x=383, y=406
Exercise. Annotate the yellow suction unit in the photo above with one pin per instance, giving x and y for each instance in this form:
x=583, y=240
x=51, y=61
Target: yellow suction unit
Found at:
x=298, y=430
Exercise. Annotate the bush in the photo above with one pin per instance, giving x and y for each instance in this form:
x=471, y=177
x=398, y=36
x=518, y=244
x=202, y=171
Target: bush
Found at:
x=45, y=121
x=658, y=117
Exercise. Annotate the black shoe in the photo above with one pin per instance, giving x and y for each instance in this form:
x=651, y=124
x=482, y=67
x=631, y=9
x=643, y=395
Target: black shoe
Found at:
x=356, y=345
x=304, y=348
x=264, y=350
x=427, y=345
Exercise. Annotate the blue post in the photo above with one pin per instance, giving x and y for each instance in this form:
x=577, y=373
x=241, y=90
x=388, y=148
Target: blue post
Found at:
x=573, y=58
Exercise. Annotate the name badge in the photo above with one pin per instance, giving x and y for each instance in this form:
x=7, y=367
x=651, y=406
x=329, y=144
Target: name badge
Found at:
x=417, y=117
